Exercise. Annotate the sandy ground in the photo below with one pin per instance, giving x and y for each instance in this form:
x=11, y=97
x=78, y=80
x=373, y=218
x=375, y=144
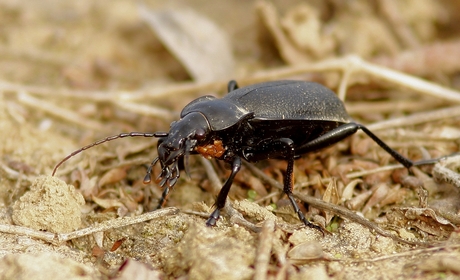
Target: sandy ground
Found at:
x=72, y=72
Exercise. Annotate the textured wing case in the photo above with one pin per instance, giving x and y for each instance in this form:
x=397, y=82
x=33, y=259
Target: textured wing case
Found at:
x=294, y=100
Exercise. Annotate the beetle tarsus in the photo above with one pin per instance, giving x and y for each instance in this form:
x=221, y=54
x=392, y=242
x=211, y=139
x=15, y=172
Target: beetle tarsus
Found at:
x=148, y=175
x=222, y=196
x=212, y=220
x=147, y=178
x=302, y=216
x=289, y=183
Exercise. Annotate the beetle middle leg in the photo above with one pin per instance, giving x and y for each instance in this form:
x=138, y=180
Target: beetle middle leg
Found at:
x=283, y=148
x=289, y=182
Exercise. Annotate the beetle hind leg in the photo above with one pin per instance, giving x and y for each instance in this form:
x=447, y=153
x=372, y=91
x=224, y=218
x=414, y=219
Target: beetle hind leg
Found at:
x=288, y=187
x=289, y=183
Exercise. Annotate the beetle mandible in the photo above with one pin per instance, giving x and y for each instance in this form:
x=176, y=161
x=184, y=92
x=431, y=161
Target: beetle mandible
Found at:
x=270, y=120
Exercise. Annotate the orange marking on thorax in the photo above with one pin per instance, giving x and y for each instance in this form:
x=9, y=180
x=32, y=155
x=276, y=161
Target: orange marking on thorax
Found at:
x=214, y=150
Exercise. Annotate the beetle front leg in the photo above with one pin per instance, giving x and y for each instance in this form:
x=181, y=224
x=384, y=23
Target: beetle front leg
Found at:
x=222, y=197
x=163, y=197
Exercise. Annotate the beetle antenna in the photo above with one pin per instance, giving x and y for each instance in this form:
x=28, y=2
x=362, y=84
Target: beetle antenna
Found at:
x=107, y=139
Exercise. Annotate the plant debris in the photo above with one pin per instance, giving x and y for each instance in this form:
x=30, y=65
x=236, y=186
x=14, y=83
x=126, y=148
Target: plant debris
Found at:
x=75, y=72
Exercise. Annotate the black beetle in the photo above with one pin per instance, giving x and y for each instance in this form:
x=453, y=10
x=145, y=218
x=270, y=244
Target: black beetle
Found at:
x=271, y=120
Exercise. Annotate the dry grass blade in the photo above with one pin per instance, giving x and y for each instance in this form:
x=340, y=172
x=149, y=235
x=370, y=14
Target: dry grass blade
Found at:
x=146, y=110
x=59, y=112
x=359, y=65
x=417, y=118
x=411, y=253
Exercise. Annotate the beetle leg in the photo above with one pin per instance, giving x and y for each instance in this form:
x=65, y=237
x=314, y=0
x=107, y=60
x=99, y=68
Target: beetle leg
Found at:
x=397, y=156
x=232, y=85
x=329, y=138
x=168, y=181
x=342, y=132
x=163, y=197
x=148, y=175
x=222, y=196
x=289, y=182
x=174, y=176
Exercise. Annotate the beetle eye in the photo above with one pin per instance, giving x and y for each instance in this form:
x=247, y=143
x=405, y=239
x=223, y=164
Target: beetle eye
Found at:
x=200, y=134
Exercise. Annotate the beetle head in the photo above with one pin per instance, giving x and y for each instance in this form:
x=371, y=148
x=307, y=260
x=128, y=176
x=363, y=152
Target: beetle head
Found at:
x=184, y=135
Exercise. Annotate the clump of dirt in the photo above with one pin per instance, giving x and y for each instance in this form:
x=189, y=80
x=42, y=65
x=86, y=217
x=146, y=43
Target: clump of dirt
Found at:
x=204, y=253
x=44, y=265
x=50, y=205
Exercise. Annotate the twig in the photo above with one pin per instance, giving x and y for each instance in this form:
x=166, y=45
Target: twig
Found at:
x=58, y=238
x=145, y=110
x=410, y=253
x=336, y=64
x=443, y=174
x=110, y=96
x=268, y=196
x=15, y=175
x=359, y=65
x=264, y=250
x=417, y=118
x=357, y=174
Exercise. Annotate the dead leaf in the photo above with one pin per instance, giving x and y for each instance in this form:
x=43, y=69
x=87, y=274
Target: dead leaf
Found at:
x=395, y=195
x=117, y=244
x=423, y=219
x=88, y=186
x=306, y=251
x=331, y=195
x=358, y=201
x=201, y=46
x=113, y=176
x=97, y=251
x=305, y=29
x=271, y=21
x=108, y=203
x=349, y=189
x=380, y=191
